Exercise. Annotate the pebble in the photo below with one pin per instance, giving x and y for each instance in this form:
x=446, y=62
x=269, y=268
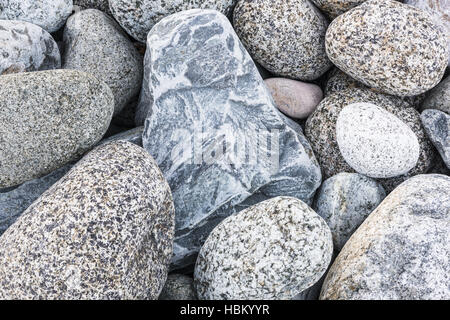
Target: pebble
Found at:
x=95, y=43
x=104, y=231
x=401, y=251
x=294, y=98
x=439, y=97
x=395, y=48
x=334, y=8
x=178, y=287
x=26, y=47
x=437, y=127
x=345, y=201
x=48, y=119
x=273, y=250
x=285, y=36
x=50, y=15
x=374, y=142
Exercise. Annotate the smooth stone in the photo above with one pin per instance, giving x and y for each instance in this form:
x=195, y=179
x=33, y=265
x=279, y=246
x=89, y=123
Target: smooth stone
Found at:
x=138, y=17
x=396, y=48
x=202, y=89
x=294, y=98
x=439, y=97
x=287, y=37
x=178, y=287
x=273, y=250
x=50, y=15
x=95, y=43
x=374, y=142
x=334, y=8
x=345, y=201
x=104, y=231
x=133, y=135
x=437, y=127
x=320, y=131
x=48, y=119
x=439, y=11
x=26, y=47
x=101, y=5
x=401, y=250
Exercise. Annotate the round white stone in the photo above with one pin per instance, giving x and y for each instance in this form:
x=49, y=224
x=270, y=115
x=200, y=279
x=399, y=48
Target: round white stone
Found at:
x=374, y=142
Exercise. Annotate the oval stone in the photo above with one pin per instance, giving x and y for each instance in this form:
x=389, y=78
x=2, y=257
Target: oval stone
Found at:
x=104, y=231
x=272, y=250
x=47, y=119
x=374, y=142
x=389, y=46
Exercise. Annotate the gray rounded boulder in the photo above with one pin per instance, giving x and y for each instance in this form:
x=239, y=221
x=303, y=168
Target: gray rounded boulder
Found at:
x=104, y=231
x=401, y=250
x=287, y=37
x=334, y=8
x=396, y=48
x=47, y=119
x=26, y=47
x=272, y=250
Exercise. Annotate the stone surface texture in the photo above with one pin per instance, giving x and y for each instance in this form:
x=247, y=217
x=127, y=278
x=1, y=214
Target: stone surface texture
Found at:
x=439, y=97
x=437, y=127
x=334, y=8
x=178, y=287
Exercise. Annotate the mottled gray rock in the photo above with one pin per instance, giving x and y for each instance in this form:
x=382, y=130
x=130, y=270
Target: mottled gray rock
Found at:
x=104, y=231
x=178, y=287
x=101, y=5
x=138, y=17
x=345, y=201
x=47, y=119
x=396, y=48
x=95, y=43
x=439, y=11
x=437, y=127
x=401, y=250
x=48, y=14
x=273, y=250
x=321, y=132
x=439, y=97
x=133, y=135
x=206, y=92
x=334, y=8
x=287, y=37
x=374, y=142
x=294, y=98
x=26, y=47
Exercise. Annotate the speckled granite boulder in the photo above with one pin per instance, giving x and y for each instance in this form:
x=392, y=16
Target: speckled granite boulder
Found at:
x=95, y=43
x=333, y=8
x=439, y=11
x=374, y=142
x=294, y=98
x=205, y=91
x=273, y=250
x=138, y=17
x=437, y=127
x=345, y=201
x=401, y=250
x=48, y=14
x=26, y=47
x=439, y=97
x=101, y=5
x=178, y=287
x=396, y=48
x=47, y=119
x=285, y=36
x=104, y=231
x=320, y=130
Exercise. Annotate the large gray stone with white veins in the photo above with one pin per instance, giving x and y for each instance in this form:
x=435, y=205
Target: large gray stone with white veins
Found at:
x=205, y=91
x=374, y=142
x=437, y=127
x=345, y=201
x=47, y=119
x=273, y=250
x=48, y=14
x=396, y=48
x=26, y=47
x=287, y=37
x=138, y=17
x=103, y=231
x=439, y=97
x=95, y=43
x=401, y=250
